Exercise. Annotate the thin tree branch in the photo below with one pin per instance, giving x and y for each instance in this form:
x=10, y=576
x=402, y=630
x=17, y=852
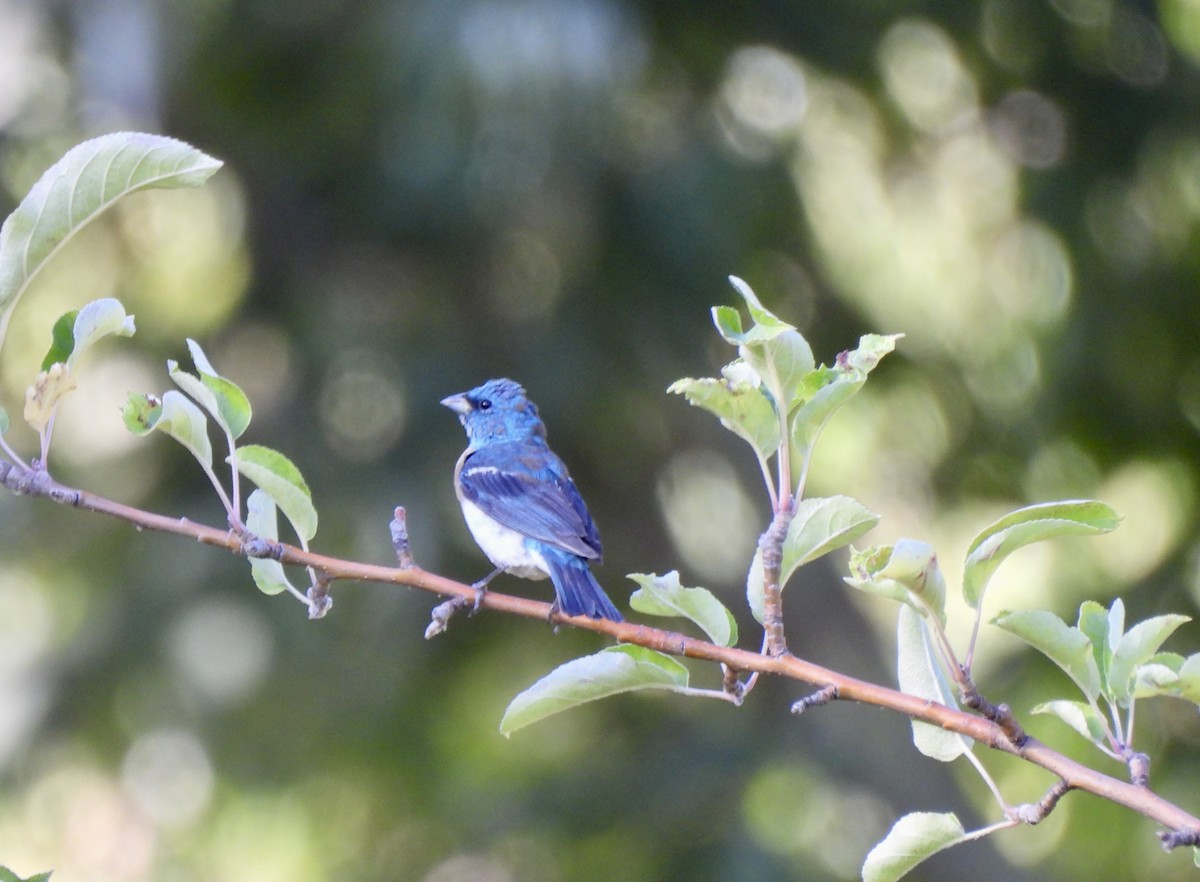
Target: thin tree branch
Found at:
x=1182, y=828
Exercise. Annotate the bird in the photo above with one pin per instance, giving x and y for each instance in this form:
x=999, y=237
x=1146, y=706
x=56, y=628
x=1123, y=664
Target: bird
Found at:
x=520, y=503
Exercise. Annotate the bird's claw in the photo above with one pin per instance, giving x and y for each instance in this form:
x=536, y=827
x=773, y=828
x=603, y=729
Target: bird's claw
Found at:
x=481, y=590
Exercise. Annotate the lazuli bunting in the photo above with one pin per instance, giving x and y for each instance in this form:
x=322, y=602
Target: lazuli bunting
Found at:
x=520, y=503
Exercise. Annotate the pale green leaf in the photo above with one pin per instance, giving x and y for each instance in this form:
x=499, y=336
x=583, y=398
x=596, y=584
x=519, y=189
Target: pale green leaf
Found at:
x=1079, y=715
x=820, y=525
x=1136, y=648
x=232, y=403
x=4, y=422
x=1067, y=647
x=1027, y=525
x=907, y=572
x=776, y=351
x=742, y=408
x=825, y=389
x=222, y=398
x=99, y=319
x=665, y=596
x=912, y=839
x=1170, y=674
x=86, y=181
x=183, y=421
x=281, y=480
x=1096, y=622
x=268, y=573
x=920, y=672
x=609, y=672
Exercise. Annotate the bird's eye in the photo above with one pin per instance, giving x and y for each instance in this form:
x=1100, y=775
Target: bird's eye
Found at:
x=484, y=404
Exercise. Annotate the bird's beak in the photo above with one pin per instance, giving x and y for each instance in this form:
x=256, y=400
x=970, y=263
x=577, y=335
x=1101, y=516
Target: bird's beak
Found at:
x=458, y=403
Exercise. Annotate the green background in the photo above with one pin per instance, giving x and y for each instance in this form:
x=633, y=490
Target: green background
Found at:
x=421, y=194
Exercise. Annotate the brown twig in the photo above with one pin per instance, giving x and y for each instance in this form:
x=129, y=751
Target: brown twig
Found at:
x=1183, y=828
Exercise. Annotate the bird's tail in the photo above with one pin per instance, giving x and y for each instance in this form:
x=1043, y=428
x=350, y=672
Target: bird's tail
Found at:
x=579, y=594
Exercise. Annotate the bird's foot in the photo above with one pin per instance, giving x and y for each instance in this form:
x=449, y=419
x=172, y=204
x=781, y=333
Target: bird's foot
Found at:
x=481, y=591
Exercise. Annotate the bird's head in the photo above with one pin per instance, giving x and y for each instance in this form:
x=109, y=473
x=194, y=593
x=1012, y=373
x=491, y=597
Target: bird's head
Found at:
x=496, y=411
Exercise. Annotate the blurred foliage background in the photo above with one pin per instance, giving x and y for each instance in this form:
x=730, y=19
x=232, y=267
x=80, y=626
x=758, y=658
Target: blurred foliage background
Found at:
x=421, y=194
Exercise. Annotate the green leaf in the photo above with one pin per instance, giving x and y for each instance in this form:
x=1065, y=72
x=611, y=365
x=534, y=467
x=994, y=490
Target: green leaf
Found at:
x=776, y=351
x=821, y=524
x=825, y=389
x=1137, y=647
x=1067, y=647
x=62, y=340
x=907, y=572
x=1103, y=628
x=614, y=670
x=86, y=181
x=7, y=875
x=4, y=423
x=912, y=839
x=281, y=480
x=99, y=319
x=1168, y=673
x=222, y=398
x=920, y=672
x=743, y=408
x=1080, y=716
x=268, y=573
x=1026, y=525
x=140, y=412
x=665, y=596
x=175, y=415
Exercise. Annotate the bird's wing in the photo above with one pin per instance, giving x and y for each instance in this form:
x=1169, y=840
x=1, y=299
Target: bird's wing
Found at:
x=527, y=488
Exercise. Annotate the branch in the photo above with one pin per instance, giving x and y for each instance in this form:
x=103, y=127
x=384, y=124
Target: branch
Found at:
x=1182, y=827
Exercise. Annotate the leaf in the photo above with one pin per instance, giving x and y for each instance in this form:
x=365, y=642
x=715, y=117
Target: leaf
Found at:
x=609, y=672
x=62, y=340
x=920, y=673
x=86, y=181
x=912, y=839
x=1067, y=647
x=1169, y=674
x=1026, y=525
x=1137, y=646
x=4, y=423
x=743, y=408
x=776, y=351
x=906, y=572
x=222, y=398
x=665, y=596
x=175, y=415
x=821, y=524
x=1079, y=715
x=1096, y=623
x=825, y=389
x=7, y=875
x=281, y=480
x=268, y=573
x=99, y=319
x=42, y=396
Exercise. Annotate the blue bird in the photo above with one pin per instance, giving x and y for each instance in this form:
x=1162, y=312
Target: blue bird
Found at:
x=520, y=503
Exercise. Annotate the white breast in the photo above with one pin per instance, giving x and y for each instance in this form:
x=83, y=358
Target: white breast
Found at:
x=504, y=546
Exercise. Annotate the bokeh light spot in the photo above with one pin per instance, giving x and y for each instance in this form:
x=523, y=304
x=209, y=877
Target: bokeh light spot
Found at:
x=925, y=76
x=222, y=649
x=362, y=406
x=170, y=776
x=710, y=518
x=1156, y=498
